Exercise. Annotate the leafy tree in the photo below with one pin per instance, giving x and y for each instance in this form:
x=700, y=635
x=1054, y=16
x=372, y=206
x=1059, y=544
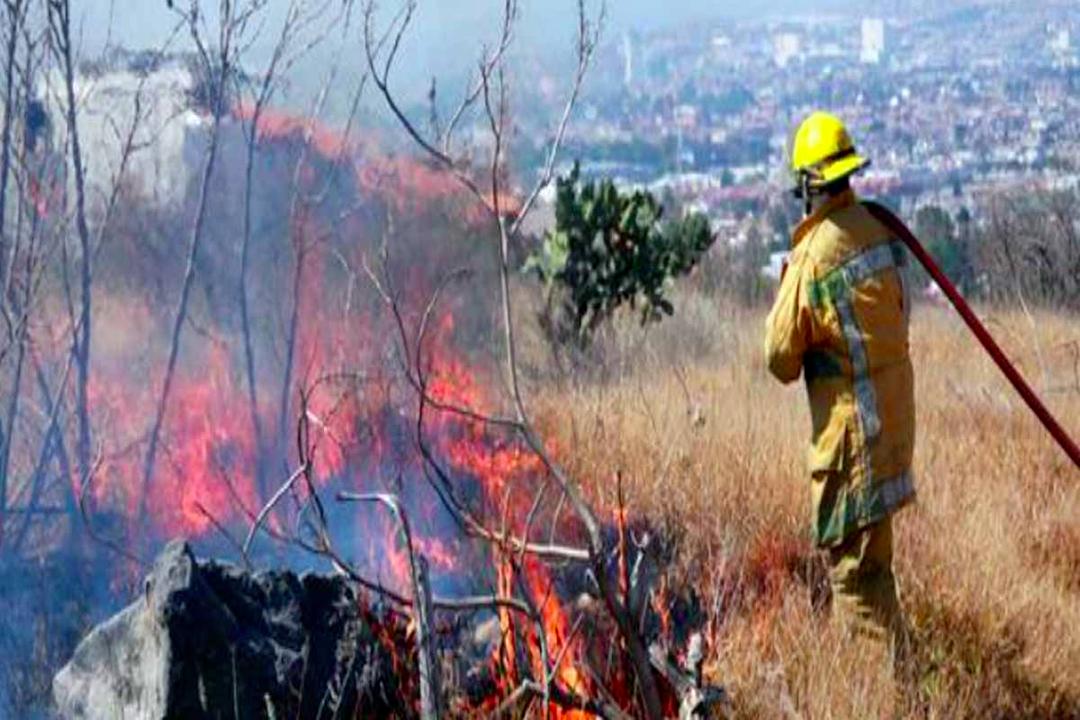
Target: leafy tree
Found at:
x=611, y=249
x=938, y=232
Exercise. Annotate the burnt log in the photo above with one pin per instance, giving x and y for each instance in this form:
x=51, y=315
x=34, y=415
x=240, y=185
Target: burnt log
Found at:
x=210, y=641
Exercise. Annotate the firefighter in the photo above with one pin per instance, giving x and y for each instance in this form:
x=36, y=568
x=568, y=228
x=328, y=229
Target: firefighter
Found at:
x=841, y=320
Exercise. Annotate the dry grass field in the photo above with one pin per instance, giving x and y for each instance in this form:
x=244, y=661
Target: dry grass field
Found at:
x=711, y=450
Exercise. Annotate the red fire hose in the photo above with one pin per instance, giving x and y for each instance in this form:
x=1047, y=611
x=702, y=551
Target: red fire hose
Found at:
x=896, y=225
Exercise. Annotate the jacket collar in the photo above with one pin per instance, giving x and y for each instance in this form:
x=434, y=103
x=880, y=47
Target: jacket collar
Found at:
x=843, y=200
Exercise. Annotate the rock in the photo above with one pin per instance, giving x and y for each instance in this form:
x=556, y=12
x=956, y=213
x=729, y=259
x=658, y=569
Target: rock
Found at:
x=209, y=640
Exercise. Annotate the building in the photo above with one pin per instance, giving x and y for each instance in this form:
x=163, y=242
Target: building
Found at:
x=1060, y=42
x=786, y=47
x=873, y=41
x=686, y=117
x=1060, y=47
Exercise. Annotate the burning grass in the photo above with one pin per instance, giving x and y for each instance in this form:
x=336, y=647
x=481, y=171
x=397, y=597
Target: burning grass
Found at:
x=314, y=379
x=711, y=449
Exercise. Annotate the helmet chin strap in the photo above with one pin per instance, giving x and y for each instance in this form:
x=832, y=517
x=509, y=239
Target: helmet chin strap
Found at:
x=808, y=201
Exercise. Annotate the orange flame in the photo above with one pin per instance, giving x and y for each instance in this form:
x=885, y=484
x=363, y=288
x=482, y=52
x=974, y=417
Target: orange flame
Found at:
x=208, y=472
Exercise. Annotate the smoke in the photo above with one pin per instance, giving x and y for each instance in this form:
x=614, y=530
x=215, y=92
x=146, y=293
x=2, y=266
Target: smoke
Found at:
x=335, y=225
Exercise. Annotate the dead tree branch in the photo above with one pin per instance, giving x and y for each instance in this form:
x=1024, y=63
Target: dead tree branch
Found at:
x=108, y=543
x=218, y=66
x=430, y=692
x=269, y=507
x=441, y=480
x=16, y=15
x=493, y=90
x=280, y=60
x=59, y=14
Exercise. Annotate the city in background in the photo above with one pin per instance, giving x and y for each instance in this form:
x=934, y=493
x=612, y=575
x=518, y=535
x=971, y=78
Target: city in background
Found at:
x=952, y=104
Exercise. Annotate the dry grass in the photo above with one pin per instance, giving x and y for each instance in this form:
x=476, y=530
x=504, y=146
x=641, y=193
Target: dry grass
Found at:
x=989, y=559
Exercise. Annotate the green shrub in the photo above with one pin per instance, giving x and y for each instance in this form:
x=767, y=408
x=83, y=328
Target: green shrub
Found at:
x=611, y=249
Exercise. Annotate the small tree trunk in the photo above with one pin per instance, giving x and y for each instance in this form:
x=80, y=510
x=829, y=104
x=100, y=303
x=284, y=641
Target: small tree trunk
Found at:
x=185, y=292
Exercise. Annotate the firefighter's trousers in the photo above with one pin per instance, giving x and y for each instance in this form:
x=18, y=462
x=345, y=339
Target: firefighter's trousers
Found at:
x=864, y=589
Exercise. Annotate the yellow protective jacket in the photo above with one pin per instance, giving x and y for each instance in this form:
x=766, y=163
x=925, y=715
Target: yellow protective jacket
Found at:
x=841, y=319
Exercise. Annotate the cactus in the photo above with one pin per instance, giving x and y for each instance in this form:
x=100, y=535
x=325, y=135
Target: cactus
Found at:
x=610, y=249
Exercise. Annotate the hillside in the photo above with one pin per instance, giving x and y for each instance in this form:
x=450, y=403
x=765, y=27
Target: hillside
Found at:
x=989, y=559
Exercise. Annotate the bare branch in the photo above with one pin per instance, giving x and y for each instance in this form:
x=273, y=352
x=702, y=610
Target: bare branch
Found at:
x=480, y=602
x=381, y=79
x=268, y=508
x=495, y=108
x=224, y=532
x=219, y=71
x=588, y=38
x=422, y=605
x=59, y=18
x=112, y=545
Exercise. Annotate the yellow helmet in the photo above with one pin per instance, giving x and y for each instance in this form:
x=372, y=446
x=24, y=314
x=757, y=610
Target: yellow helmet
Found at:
x=822, y=151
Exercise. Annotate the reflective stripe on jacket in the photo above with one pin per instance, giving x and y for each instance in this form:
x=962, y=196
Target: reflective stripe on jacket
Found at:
x=841, y=319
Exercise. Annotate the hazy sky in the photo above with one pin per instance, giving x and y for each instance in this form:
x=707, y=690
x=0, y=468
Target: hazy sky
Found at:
x=446, y=36
x=145, y=22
